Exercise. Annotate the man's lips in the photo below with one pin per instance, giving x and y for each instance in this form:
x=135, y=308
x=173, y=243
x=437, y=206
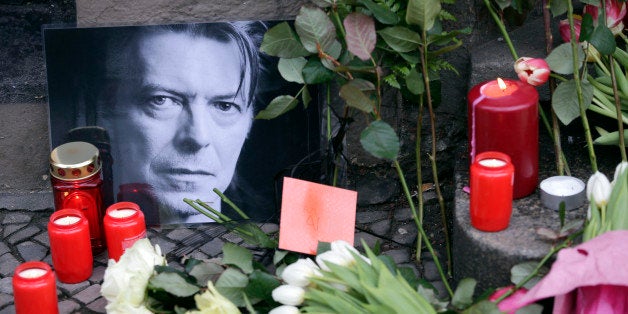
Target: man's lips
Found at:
x=183, y=171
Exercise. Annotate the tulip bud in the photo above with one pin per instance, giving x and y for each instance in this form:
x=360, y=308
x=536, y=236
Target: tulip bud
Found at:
x=289, y=295
x=563, y=28
x=621, y=167
x=599, y=189
x=299, y=273
x=615, y=13
x=533, y=71
x=285, y=309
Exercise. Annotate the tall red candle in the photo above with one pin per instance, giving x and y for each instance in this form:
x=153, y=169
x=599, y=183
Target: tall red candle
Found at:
x=124, y=224
x=77, y=183
x=70, y=245
x=505, y=119
x=34, y=289
x=491, y=183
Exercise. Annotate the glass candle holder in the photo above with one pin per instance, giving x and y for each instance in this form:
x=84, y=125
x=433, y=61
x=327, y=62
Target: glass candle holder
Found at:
x=34, y=289
x=491, y=183
x=124, y=224
x=70, y=246
x=77, y=183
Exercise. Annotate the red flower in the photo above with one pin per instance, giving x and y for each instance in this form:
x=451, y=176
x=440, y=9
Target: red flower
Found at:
x=563, y=28
x=533, y=71
x=615, y=13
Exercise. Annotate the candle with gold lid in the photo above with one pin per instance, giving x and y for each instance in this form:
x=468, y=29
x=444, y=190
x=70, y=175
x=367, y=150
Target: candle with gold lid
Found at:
x=34, y=289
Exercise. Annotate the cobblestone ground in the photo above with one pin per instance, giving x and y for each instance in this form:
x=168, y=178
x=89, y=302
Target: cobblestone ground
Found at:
x=25, y=238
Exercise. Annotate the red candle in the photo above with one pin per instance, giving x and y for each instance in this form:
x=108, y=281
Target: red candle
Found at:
x=492, y=175
x=77, y=183
x=124, y=224
x=70, y=245
x=505, y=119
x=34, y=289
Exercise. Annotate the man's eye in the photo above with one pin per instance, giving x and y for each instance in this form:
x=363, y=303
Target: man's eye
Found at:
x=227, y=106
x=161, y=101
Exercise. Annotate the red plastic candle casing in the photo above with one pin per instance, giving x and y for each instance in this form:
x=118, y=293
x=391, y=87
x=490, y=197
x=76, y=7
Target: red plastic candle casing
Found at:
x=77, y=183
x=34, y=289
x=507, y=121
x=124, y=224
x=492, y=176
x=70, y=246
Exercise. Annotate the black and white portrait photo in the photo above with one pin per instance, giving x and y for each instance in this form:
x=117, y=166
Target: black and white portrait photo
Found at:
x=171, y=108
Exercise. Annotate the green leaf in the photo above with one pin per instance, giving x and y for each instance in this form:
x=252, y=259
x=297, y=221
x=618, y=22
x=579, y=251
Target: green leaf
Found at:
x=279, y=256
x=278, y=106
x=381, y=13
x=380, y=140
x=315, y=73
x=560, y=59
x=586, y=28
x=483, y=307
x=204, y=271
x=323, y=247
x=261, y=285
x=603, y=40
x=238, y=256
x=422, y=13
x=414, y=82
x=520, y=271
x=306, y=98
x=362, y=84
x=401, y=39
x=281, y=41
x=172, y=283
x=315, y=29
x=565, y=100
x=503, y=3
x=611, y=138
x=558, y=7
x=463, y=296
x=231, y=285
x=355, y=98
x=360, y=35
x=617, y=207
x=292, y=69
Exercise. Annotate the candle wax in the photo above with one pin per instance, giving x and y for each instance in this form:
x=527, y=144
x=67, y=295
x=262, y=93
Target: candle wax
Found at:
x=66, y=221
x=32, y=273
x=492, y=162
x=121, y=213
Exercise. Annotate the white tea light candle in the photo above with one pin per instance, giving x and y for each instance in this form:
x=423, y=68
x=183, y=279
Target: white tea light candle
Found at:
x=32, y=273
x=121, y=213
x=492, y=162
x=558, y=189
x=67, y=220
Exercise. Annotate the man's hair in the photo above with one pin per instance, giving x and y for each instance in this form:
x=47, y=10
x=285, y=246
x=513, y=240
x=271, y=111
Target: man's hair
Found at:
x=122, y=50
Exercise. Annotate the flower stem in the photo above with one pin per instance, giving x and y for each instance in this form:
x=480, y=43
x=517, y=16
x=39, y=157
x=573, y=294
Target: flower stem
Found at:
x=620, y=123
x=419, y=175
x=421, y=230
x=502, y=29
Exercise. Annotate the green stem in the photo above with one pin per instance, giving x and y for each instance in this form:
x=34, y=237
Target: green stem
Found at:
x=419, y=175
x=576, y=77
x=406, y=191
x=230, y=203
x=620, y=124
x=502, y=29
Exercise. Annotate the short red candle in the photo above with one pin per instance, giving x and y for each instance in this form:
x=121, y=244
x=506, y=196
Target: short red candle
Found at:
x=34, y=289
x=492, y=175
x=124, y=224
x=506, y=120
x=70, y=245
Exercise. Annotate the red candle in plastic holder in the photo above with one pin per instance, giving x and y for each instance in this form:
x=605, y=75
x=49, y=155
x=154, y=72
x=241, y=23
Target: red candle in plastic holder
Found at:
x=504, y=118
x=491, y=184
x=70, y=246
x=77, y=183
x=34, y=289
x=124, y=224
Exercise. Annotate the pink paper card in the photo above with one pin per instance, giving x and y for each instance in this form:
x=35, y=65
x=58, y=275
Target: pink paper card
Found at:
x=312, y=212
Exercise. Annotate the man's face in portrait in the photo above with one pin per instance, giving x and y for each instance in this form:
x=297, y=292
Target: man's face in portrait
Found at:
x=181, y=124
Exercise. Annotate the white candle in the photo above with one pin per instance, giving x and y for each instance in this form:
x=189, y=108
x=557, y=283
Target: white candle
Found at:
x=67, y=220
x=492, y=162
x=562, y=189
x=122, y=213
x=32, y=273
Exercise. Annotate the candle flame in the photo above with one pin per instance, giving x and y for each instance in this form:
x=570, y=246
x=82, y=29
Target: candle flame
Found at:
x=501, y=83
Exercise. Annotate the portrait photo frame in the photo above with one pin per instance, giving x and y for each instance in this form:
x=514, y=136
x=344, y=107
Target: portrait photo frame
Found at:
x=79, y=76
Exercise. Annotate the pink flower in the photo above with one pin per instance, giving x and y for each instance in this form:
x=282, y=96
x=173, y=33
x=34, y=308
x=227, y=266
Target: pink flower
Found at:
x=615, y=13
x=589, y=278
x=533, y=71
x=563, y=28
x=508, y=302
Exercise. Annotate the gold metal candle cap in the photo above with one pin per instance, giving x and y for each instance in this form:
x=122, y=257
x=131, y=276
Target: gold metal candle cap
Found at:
x=74, y=161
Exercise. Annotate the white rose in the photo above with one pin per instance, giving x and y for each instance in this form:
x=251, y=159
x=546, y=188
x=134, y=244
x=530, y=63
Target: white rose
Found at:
x=299, y=273
x=289, y=295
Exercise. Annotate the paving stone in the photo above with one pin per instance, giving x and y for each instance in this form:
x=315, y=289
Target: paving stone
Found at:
x=89, y=294
x=406, y=234
x=97, y=274
x=269, y=228
x=6, y=285
x=32, y=251
x=43, y=238
x=16, y=218
x=8, y=262
x=102, y=258
x=180, y=234
x=8, y=310
x=368, y=238
x=381, y=227
x=9, y=229
x=68, y=306
x=72, y=288
x=365, y=217
x=441, y=291
x=3, y=248
x=5, y=299
x=23, y=234
x=98, y=305
x=47, y=259
x=213, y=247
x=399, y=255
x=403, y=214
x=166, y=246
x=430, y=271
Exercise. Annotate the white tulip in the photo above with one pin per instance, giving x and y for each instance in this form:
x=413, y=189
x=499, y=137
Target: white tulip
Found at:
x=285, y=309
x=299, y=273
x=621, y=167
x=341, y=253
x=599, y=189
x=289, y=295
x=212, y=302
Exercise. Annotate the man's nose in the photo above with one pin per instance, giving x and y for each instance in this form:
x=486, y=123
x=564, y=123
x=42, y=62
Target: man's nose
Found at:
x=194, y=129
